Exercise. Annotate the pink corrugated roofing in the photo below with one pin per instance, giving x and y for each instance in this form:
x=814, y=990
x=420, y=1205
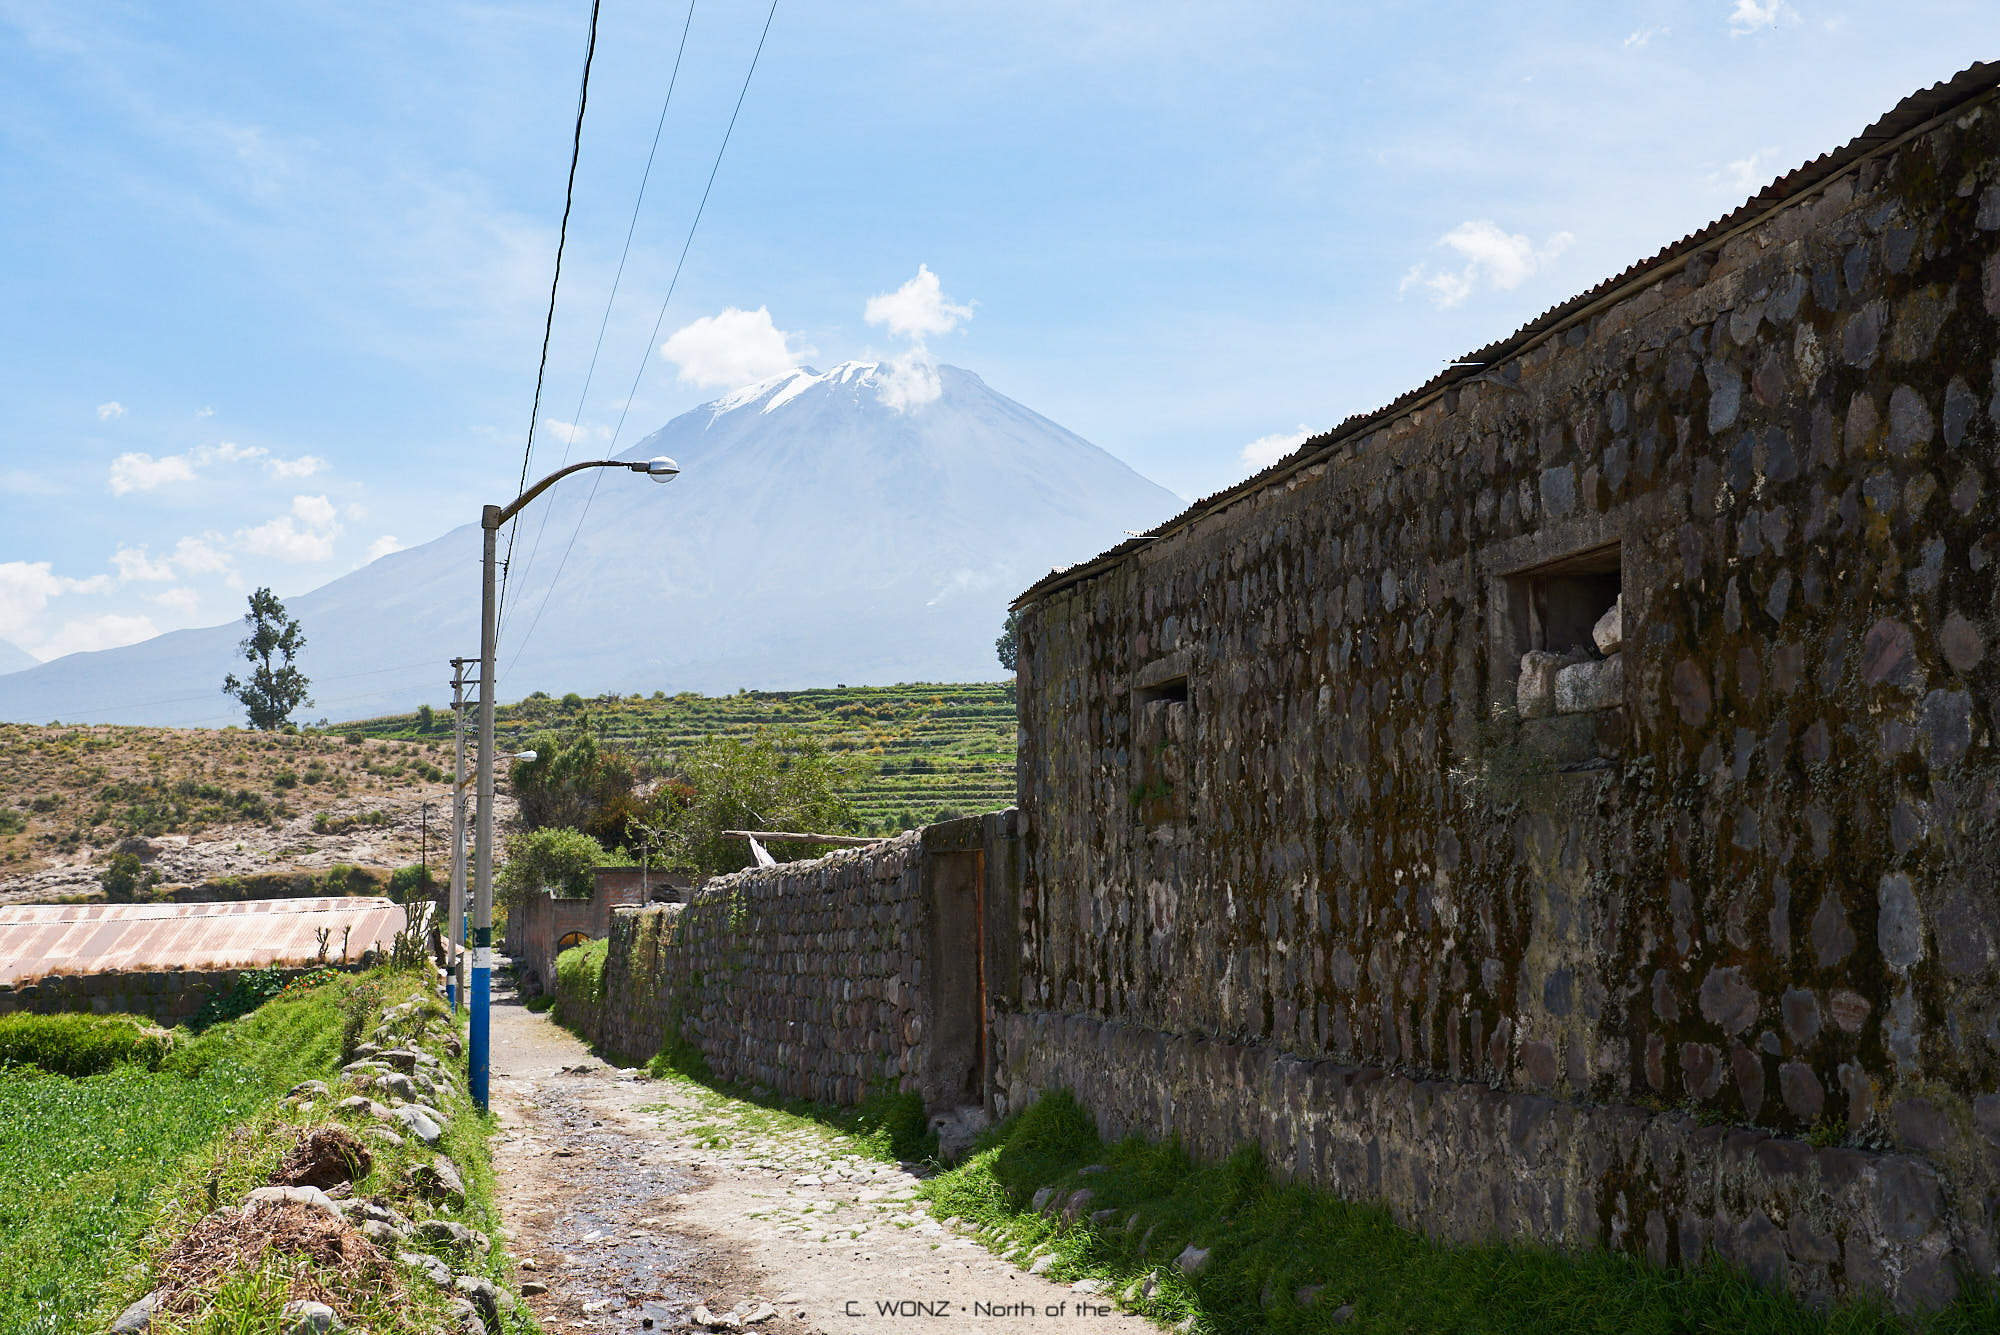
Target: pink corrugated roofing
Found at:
x=37, y=939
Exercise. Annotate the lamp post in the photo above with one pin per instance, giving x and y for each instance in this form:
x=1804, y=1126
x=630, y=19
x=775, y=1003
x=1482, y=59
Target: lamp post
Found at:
x=661, y=469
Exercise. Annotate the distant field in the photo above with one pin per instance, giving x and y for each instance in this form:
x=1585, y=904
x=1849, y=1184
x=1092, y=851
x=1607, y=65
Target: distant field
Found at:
x=924, y=749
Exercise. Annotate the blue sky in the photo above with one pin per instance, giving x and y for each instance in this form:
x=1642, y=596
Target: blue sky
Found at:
x=275, y=274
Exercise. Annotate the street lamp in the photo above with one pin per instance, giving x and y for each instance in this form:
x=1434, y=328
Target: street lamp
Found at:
x=661, y=469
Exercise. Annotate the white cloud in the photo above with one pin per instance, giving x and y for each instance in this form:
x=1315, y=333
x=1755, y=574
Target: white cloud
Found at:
x=205, y=412
x=382, y=546
x=303, y=536
x=136, y=564
x=140, y=471
x=25, y=590
x=21, y=482
x=1751, y=15
x=1745, y=175
x=198, y=556
x=569, y=433
x=1267, y=450
x=1493, y=258
x=99, y=632
x=909, y=381
x=303, y=466
x=107, y=411
x=1644, y=35
x=731, y=349
x=180, y=599
x=917, y=309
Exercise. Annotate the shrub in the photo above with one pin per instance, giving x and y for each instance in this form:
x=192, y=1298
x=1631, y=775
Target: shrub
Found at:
x=80, y=1045
x=123, y=877
x=12, y=821
x=580, y=985
x=412, y=882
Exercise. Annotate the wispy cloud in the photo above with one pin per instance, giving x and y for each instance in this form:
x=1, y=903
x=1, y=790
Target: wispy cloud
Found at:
x=107, y=411
x=139, y=471
x=1494, y=259
x=732, y=349
x=304, y=536
x=89, y=634
x=383, y=545
x=569, y=433
x=1746, y=174
x=134, y=564
x=1267, y=450
x=25, y=590
x=1756, y=15
x=1643, y=36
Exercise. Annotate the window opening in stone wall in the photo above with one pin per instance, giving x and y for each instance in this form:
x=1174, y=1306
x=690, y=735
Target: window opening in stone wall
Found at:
x=571, y=939
x=1568, y=620
x=1162, y=726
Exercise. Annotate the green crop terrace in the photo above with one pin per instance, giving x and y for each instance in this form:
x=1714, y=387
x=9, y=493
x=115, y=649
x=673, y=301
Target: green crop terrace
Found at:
x=921, y=751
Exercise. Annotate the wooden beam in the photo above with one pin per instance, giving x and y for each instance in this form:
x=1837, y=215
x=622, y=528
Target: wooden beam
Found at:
x=789, y=837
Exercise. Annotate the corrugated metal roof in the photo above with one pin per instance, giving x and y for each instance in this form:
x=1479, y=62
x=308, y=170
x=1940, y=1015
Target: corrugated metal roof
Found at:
x=38, y=939
x=1907, y=118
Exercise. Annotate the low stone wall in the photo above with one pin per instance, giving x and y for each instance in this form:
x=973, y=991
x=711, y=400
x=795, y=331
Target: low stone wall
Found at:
x=1464, y=1162
x=167, y=996
x=802, y=978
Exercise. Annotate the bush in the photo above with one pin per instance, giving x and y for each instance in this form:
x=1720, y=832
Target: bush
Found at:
x=253, y=988
x=80, y=1045
x=411, y=882
x=580, y=985
x=124, y=877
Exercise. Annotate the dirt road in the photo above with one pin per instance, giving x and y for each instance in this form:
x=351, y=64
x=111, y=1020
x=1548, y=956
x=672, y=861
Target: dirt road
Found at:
x=662, y=1206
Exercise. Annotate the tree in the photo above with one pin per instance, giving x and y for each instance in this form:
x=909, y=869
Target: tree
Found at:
x=559, y=860
x=574, y=782
x=777, y=779
x=275, y=686
x=1008, y=646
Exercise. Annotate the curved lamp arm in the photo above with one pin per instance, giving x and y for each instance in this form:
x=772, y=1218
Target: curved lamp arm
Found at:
x=661, y=469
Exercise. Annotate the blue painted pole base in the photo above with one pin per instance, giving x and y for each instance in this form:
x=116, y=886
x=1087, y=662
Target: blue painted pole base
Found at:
x=482, y=1007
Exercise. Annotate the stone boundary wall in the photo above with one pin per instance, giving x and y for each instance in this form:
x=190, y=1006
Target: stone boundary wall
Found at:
x=803, y=978
x=1463, y=1162
x=1284, y=784
x=168, y=996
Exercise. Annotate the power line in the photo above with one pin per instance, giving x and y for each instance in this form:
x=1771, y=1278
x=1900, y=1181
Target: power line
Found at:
x=548, y=326
x=646, y=357
x=590, y=373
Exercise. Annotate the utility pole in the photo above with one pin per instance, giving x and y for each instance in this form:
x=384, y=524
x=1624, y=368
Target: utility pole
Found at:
x=455, y=897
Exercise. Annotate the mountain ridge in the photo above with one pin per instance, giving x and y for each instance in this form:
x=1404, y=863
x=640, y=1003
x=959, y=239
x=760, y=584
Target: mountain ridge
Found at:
x=828, y=537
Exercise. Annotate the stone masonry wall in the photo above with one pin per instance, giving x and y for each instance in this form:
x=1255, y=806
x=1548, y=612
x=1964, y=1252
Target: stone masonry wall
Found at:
x=167, y=996
x=1744, y=865
x=802, y=978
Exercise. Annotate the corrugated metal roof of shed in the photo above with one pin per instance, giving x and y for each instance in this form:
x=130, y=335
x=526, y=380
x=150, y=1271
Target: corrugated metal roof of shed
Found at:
x=41, y=939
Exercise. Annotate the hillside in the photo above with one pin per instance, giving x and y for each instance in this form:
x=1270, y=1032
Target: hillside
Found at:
x=209, y=803
x=922, y=749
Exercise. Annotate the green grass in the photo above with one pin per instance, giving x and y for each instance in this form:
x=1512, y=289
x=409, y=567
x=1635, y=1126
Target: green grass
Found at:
x=1269, y=1240
x=79, y=1045
x=886, y=1127
x=921, y=749
x=83, y=1162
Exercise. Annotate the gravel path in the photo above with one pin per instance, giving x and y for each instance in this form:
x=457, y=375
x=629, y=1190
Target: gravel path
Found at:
x=660, y=1205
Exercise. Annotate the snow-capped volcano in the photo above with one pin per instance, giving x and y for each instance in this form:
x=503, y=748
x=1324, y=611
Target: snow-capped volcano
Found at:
x=868, y=524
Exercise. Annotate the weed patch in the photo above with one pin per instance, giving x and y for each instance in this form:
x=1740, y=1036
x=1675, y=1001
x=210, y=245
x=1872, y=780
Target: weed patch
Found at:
x=80, y=1045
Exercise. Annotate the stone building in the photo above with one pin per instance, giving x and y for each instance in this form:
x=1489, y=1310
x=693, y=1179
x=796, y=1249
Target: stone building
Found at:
x=545, y=924
x=1562, y=804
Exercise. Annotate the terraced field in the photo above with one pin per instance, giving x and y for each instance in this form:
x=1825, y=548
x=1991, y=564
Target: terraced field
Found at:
x=922, y=750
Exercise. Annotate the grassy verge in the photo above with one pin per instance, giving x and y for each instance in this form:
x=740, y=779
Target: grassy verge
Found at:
x=101, y=1178
x=1286, y=1258
x=83, y=1162
x=888, y=1128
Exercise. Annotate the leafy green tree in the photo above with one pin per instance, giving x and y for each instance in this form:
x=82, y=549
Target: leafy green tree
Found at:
x=426, y=718
x=777, y=779
x=124, y=876
x=554, y=858
x=577, y=783
x=275, y=686
x=1008, y=646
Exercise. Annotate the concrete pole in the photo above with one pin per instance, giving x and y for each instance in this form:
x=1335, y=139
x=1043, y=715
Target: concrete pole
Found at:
x=454, y=904
x=482, y=901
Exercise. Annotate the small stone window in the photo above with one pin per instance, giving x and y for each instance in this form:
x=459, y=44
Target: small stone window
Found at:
x=1162, y=730
x=571, y=939
x=1566, y=625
